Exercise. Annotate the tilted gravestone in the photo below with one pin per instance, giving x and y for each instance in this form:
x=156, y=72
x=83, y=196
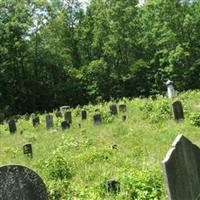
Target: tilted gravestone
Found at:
x=122, y=108
x=27, y=150
x=36, y=121
x=21, y=183
x=83, y=115
x=112, y=186
x=65, y=125
x=97, y=119
x=12, y=126
x=182, y=170
x=68, y=117
x=113, y=109
x=178, y=110
x=49, y=121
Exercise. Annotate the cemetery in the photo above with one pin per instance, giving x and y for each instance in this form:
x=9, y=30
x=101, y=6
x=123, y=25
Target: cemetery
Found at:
x=140, y=149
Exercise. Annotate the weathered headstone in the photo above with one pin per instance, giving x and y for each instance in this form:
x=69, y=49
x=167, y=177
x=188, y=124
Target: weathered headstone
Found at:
x=113, y=109
x=49, y=121
x=178, y=110
x=65, y=125
x=12, y=126
x=112, y=186
x=26, y=116
x=182, y=170
x=68, y=117
x=124, y=118
x=97, y=119
x=21, y=183
x=59, y=114
x=36, y=121
x=122, y=108
x=83, y=115
x=170, y=89
x=27, y=150
x=64, y=108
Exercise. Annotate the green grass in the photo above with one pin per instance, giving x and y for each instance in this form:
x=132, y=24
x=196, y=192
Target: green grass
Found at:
x=75, y=163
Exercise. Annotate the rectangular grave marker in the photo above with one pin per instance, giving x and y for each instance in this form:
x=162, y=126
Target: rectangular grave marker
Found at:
x=122, y=108
x=65, y=125
x=178, y=110
x=182, y=170
x=12, y=126
x=27, y=149
x=97, y=119
x=83, y=115
x=49, y=121
x=68, y=117
x=36, y=121
x=113, y=109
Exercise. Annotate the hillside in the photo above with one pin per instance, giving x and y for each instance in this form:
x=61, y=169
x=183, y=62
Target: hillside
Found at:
x=75, y=163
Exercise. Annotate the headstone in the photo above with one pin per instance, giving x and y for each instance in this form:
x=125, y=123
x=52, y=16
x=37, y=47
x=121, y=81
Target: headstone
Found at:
x=113, y=109
x=182, y=170
x=97, y=119
x=170, y=89
x=12, y=126
x=27, y=150
x=36, y=121
x=64, y=108
x=68, y=117
x=124, y=118
x=65, y=125
x=122, y=108
x=58, y=114
x=21, y=183
x=49, y=121
x=112, y=186
x=83, y=115
x=178, y=110
x=26, y=116
x=114, y=146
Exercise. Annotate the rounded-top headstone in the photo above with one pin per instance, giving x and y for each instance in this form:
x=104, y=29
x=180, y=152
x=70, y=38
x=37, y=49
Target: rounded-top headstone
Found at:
x=169, y=83
x=21, y=183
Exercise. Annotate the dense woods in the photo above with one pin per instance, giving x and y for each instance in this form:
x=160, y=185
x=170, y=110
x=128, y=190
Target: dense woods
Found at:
x=55, y=52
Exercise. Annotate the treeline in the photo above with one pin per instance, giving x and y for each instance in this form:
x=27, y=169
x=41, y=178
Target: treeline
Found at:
x=55, y=53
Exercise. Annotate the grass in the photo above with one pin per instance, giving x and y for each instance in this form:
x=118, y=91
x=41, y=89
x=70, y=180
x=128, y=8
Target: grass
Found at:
x=75, y=163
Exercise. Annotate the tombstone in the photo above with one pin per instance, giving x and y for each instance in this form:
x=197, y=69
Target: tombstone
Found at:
x=68, y=117
x=83, y=115
x=64, y=108
x=170, y=89
x=114, y=146
x=182, y=170
x=21, y=183
x=178, y=110
x=36, y=121
x=26, y=116
x=65, y=125
x=97, y=119
x=49, y=121
x=112, y=186
x=113, y=109
x=27, y=150
x=12, y=126
x=58, y=114
x=124, y=118
x=122, y=108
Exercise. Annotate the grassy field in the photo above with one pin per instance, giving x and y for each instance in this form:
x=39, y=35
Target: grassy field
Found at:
x=75, y=163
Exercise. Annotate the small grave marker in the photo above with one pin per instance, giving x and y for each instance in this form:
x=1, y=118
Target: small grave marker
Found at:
x=182, y=170
x=27, y=150
x=124, y=118
x=112, y=186
x=21, y=183
x=68, y=117
x=49, y=121
x=178, y=110
x=65, y=125
x=64, y=108
x=97, y=119
x=36, y=121
x=12, y=126
x=26, y=116
x=58, y=114
x=113, y=109
x=122, y=108
x=83, y=115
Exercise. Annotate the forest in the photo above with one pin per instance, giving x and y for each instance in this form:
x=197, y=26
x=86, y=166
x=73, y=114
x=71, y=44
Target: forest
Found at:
x=56, y=52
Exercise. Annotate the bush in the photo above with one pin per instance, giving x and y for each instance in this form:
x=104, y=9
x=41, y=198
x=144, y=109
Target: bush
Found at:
x=195, y=119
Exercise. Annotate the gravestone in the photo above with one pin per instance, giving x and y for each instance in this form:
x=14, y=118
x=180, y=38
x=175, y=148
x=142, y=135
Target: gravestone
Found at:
x=68, y=117
x=97, y=119
x=112, y=186
x=65, y=125
x=12, y=126
x=122, y=108
x=21, y=183
x=27, y=150
x=83, y=115
x=58, y=114
x=36, y=121
x=182, y=170
x=178, y=110
x=49, y=121
x=124, y=118
x=170, y=89
x=26, y=116
x=64, y=108
x=113, y=109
